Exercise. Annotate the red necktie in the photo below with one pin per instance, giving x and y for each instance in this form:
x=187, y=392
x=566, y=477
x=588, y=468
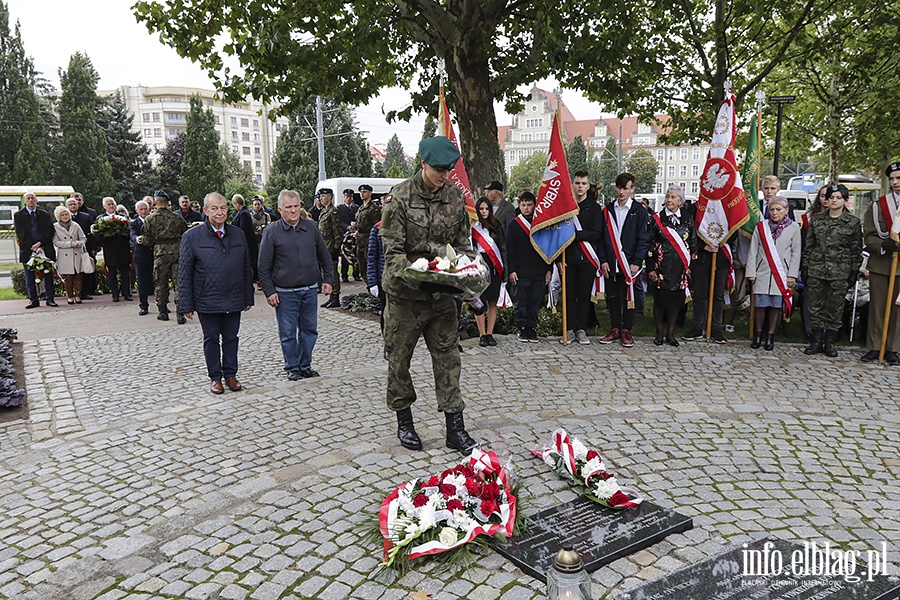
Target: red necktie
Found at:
x=220, y=234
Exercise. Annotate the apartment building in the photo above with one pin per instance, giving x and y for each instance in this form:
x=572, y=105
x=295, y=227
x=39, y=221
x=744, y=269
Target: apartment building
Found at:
x=530, y=133
x=160, y=114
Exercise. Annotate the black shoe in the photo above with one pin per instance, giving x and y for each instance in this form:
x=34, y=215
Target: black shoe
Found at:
x=672, y=341
x=693, y=334
x=770, y=342
x=717, y=338
x=532, y=336
x=491, y=341
x=332, y=303
x=143, y=312
x=115, y=298
x=128, y=298
x=483, y=341
x=307, y=373
x=830, y=350
x=757, y=340
x=52, y=303
x=892, y=358
x=872, y=356
x=815, y=344
x=345, y=280
x=386, y=354
x=406, y=431
x=87, y=297
x=357, y=279
x=457, y=437
x=163, y=316
x=294, y=375
x=522, y=335
x=32, y=305
x=180, y=318
x=658, y=341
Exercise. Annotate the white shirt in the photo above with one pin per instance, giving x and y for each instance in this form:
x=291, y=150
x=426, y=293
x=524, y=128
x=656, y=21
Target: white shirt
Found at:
x=621, y=213
x=677, y=215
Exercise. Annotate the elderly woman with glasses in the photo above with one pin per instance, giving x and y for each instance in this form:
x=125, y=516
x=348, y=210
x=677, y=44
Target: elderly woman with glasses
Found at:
x=669, y=259
x=70, y=242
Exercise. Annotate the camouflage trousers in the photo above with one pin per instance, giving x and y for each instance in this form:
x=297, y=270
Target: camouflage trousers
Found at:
x=436, y=320
x=826, y=302
x=362, y=258
x=336, y=286
x=165, y=267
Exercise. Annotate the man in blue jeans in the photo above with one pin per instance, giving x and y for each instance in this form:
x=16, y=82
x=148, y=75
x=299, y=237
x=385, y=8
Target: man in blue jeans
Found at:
x=292, y=259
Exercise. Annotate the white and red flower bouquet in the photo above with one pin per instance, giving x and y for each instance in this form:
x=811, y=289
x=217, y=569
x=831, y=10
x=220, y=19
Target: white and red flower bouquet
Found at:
x=110, y=225
x=455, y=272
x=584, y=467
x=40, y=264
x=444, y=513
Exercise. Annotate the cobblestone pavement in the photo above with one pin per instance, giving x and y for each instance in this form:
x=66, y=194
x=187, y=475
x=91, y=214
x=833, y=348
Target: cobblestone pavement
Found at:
x=131, y=481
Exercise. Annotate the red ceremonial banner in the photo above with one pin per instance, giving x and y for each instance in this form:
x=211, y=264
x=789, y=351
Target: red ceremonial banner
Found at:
x=458, y=173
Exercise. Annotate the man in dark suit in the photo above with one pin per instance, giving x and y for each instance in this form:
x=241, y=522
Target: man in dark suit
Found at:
x=34, y=231
x=347, y=215
x=143, y=255
x=626, y=240
x=190, y=215
x=85, y=217
x=243, y=220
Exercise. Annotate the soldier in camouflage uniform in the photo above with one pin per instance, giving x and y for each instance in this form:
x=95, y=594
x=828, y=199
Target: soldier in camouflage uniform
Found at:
x=366, y=217
x=162, y=231
x=332, y=233
x=421, y=216
x=832, y=255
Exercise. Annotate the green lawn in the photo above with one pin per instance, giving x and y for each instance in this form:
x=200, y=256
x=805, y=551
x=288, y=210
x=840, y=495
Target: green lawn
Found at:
x=9, y=294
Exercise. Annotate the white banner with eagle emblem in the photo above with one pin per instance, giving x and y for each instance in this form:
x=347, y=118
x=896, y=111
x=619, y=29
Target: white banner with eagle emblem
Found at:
x=722, y=206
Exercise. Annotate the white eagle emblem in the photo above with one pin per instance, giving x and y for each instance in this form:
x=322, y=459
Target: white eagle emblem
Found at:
x=549, y=172
x=715, y=179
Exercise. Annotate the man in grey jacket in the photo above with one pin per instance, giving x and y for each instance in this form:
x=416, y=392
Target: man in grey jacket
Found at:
x=292, y=258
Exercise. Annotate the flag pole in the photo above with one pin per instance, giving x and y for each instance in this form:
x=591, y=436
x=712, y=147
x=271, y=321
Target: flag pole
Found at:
x=712, y=285
x=752, y=308
x=887, y=309
x=562, y=278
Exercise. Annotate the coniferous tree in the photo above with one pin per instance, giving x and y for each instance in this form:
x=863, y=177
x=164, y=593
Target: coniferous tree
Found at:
x=202, y=171
x=168, y=168
x=238, y=177
x=129, y=157
x=82, y=158
x=430, y=130
x=394, y=158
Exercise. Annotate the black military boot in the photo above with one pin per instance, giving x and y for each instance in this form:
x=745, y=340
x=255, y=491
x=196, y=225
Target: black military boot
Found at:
x=830, y=350
x=770, y=342
x=757, y=340
x=815, y=343
x=406, y=431
x=457, y=437
x=333, y=302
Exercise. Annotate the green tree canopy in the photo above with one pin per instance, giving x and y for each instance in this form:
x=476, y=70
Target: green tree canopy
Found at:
x=395, y=159
x=171, y=158
x=238, y=176
x=82, y=157
x=129, y=157
x=202, y=170
x=529, y=173
x=644, y=167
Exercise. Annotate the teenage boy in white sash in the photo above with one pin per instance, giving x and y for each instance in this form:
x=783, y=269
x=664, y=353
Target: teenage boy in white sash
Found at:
x=877, y=224
x=626, y=243
x=528, y=272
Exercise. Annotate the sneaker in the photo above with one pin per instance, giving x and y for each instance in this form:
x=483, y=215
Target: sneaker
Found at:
x=570, y=337
x=523, y=335
x=491, y=341
x=532, y=336
x=307, y=373
x=581, y=337
x=483, y=341
x=729, y=329
x=294, y=375
x=627, y=338
x=693, y=334
x=610, y=337
x=718, y=338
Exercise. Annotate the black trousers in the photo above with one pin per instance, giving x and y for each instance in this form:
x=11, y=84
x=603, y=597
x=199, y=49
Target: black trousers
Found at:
x=579, y=279
x=529, y=296
x=122, y=283
x=144, y=275
x=700, y=274
x=620, y=316
x=220, y=343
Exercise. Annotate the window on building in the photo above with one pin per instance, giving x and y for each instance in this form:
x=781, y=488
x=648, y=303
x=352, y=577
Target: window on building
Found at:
x=218, y=121
x=234, y=135
x=695, y=171
x=659, y=171
x=245, y=122
x=521, y=154
x=176, y=100
x=660, y=155
x=642, y=141
x=245, y=137
x=255, y=123
x=259, y=165
x=247, y=163
x=176, y=116
x=657, y=188
x=642, y=128
x=153, y=100
x=256, y=137
x=147, y=132
x=234, y=149
x=245, y=150
x=172, y=133
x=146, y=117
x=671, y=153
x=684, y=154
x=695, y=153
x=156, y=117
x=682, y=171
x=695, y=187
x=234, y=121
x=157, y=132
x=671, y=170
x=683, y=185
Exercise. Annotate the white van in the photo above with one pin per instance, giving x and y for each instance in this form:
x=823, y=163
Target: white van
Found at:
x=380, y=186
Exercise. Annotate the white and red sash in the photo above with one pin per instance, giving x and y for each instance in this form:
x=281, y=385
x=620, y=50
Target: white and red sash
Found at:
x=621, y=260
x=678, y=244
x=487, y=245
x=888, y=211
x=729, y=278
x=804, y=221
x=776, y=266
x=598, y=289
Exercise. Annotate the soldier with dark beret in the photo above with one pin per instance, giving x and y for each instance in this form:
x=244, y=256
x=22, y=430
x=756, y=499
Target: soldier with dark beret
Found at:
x=420, y=217
x=366, y=217
x=832, y=255
x=332, y=233
x=162, y=231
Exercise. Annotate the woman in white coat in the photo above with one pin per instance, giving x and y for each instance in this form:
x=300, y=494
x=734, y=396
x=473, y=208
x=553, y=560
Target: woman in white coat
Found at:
x=766, y=292
x=69, y=240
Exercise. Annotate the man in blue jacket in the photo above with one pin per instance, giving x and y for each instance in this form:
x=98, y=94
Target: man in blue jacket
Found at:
x=216, y=281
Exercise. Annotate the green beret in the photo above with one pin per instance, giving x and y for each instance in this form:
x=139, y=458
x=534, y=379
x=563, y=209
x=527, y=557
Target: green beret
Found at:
x=161, y=194
x=438, y=152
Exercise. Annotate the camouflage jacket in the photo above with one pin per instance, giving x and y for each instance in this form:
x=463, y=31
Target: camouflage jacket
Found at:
x=162, y=230
x=366, y=217
x=417, y=223
x=330, y=226
x=833, y=246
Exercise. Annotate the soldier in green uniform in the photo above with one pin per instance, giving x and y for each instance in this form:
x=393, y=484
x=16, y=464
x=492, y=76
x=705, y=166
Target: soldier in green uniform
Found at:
x=421, y=216
x=332, y=233
x=833, y=254
x=366, y=217
x=162, y=231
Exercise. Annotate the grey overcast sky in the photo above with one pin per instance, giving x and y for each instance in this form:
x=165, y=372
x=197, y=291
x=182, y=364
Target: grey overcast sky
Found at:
x=124, y=53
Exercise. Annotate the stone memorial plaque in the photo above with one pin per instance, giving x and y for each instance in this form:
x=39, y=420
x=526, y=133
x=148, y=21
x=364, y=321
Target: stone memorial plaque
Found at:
x=770, y=568
x=599, y=534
